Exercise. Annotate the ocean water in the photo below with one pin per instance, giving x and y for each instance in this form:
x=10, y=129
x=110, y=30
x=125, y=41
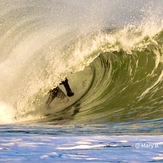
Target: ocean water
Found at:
x=112, y=55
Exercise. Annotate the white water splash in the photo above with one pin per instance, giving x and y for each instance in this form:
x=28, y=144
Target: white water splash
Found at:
x=7, y=113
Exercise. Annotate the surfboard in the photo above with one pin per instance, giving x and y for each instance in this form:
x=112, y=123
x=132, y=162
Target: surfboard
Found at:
x=60, y=94
x=56, y=92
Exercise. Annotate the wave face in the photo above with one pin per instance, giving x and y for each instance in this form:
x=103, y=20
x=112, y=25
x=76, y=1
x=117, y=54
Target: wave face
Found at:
x=114, y=65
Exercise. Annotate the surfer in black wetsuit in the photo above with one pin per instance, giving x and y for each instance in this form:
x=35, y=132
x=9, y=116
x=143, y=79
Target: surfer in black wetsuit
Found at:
x=57, y=92
x=67, y=87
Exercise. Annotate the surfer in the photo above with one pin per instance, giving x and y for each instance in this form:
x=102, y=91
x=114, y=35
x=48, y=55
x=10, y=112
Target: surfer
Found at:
x=67, y=87
x=57, y=92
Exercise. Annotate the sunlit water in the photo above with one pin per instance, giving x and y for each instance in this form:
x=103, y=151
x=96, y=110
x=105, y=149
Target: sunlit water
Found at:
x=112, y=55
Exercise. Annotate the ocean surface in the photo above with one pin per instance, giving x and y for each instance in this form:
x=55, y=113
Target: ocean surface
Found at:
x=111, y=53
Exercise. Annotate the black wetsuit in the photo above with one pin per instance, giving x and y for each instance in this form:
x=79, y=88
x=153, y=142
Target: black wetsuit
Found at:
x=67, y=87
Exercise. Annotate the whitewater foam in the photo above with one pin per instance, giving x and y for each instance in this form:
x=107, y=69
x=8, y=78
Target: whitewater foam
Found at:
x=7, y=113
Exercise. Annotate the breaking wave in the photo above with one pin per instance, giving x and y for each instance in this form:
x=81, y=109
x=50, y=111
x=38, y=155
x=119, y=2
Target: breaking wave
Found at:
x=116, y=71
